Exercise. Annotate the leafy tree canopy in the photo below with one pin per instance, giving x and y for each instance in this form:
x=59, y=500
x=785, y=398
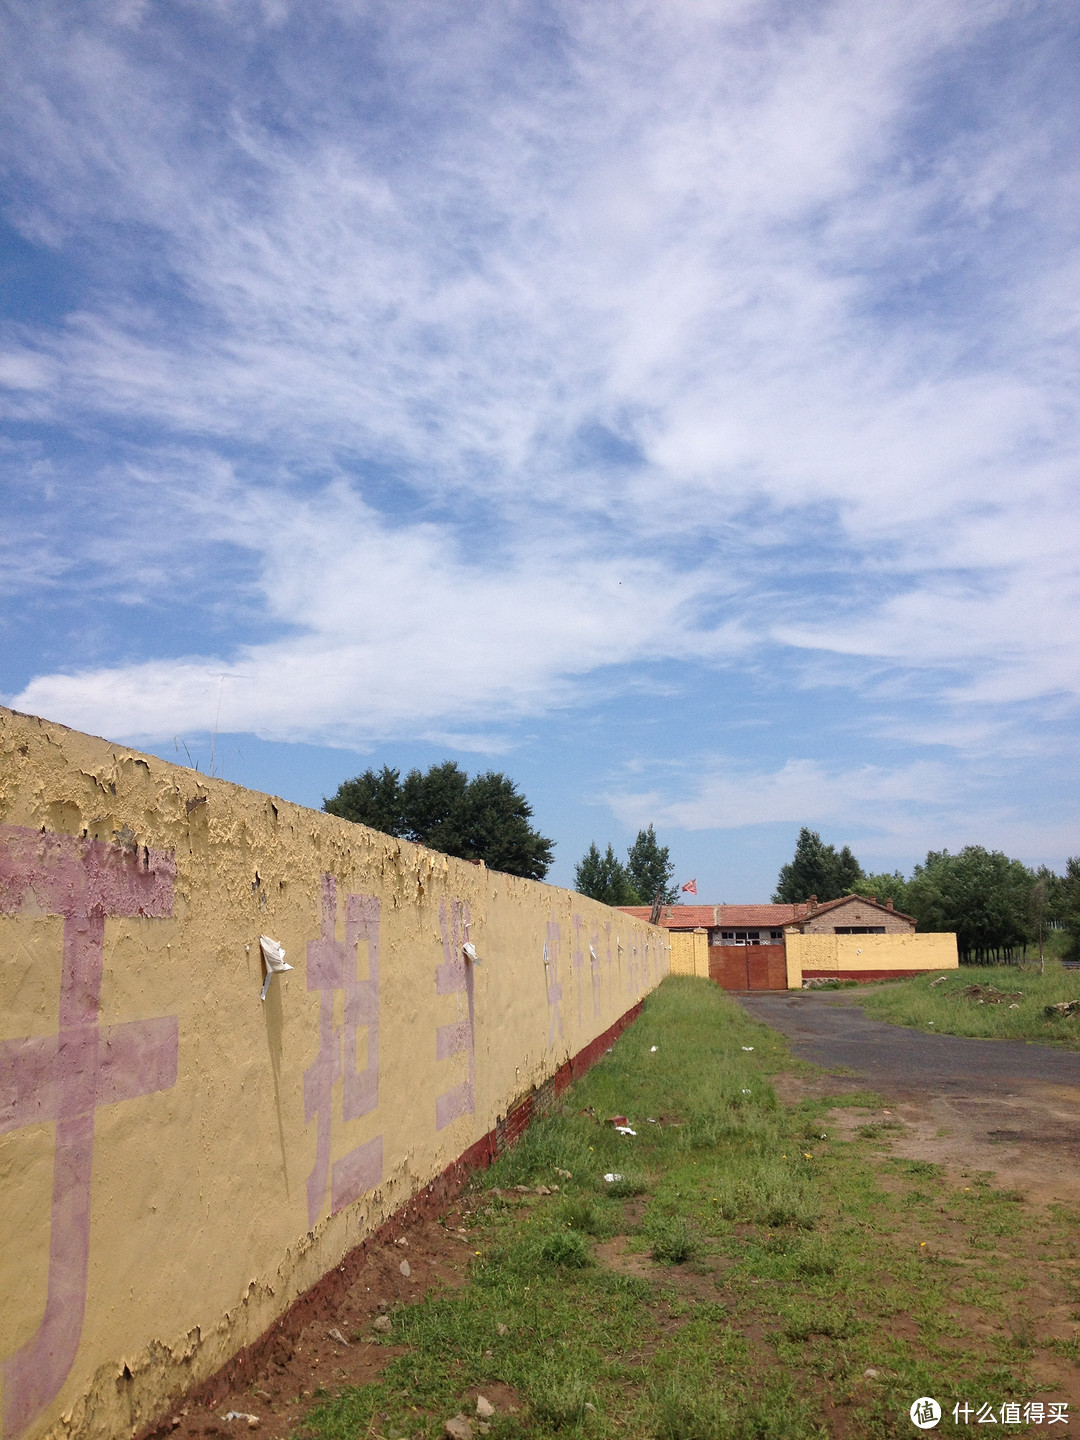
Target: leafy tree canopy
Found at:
x=647, y=872
x=485, y=818
x=982, y=895
x=651, y=869
x=1069, y=905
x=883, y=887
x=605, y=877
x=817, y=869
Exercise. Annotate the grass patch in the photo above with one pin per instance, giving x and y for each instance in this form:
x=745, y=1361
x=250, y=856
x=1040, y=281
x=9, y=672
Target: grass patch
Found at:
x=759, y=1269
x=943, y=1007
x=673, y=1240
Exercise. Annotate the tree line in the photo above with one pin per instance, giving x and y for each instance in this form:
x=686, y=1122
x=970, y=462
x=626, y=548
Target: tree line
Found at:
x=996, y=906
x=645, y=876
x=482, y=819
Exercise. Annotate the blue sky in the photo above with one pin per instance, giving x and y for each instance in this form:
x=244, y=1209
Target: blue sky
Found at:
x=674, y=406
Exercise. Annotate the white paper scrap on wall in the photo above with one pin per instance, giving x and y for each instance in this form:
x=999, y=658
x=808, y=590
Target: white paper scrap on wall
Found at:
x=274, y=956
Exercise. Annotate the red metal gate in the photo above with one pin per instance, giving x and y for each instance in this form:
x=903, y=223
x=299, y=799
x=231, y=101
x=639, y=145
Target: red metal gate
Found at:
x=748, y=967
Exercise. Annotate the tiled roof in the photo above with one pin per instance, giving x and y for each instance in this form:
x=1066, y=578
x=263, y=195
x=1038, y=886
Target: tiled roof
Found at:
x=753, y=916
x=746, y=917
x=826, y=905
x=676, y=917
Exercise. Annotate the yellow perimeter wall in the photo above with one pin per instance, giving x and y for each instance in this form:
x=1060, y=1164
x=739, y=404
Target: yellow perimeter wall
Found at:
x=178, y=1161
x=689, y=952
x=849, y=954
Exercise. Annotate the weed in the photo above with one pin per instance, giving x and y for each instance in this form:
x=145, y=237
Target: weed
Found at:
x=802, y=1321
x=567, y=1248
x=672, y=1241
x=585, y=1215
x=626, y=1185
x=877, y=1128
x=559, y=1398
x=684, y=1409
x=920, y=1167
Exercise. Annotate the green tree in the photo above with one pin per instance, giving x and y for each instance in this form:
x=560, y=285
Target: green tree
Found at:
x=1055, y=893
x=650, y=869
x=605, y=878
x=817, y=869
x=884, y=887
x=1069, y=906
x=485, y=818
x=980, y=894
x=373, y=798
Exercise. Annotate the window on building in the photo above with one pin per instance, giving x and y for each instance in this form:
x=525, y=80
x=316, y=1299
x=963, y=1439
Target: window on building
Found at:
x=740, y=937
x=859, y=930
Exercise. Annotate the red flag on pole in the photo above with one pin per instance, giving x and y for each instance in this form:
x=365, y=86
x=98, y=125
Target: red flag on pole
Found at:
x=690, y=887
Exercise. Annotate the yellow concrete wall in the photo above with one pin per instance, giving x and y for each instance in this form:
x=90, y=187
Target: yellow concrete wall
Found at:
x=689, y=952
x=868, y=952
x=185, y=1161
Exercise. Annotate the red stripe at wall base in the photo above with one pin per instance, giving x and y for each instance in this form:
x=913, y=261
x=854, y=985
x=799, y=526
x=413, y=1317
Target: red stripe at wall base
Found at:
x=864, y=977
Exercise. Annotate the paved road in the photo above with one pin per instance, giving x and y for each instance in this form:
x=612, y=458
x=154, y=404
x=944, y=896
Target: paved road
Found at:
x=992, y=1105
x=831, y=1031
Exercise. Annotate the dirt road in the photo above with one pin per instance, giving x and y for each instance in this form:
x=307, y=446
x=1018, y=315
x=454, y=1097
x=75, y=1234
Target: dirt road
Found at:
x=974, y=1105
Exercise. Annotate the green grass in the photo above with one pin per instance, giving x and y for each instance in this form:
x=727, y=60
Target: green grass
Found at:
x=944, y=1007
x=740, y=1287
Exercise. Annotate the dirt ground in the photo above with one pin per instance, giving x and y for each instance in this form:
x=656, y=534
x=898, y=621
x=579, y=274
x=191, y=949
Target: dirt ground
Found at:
x=336, y=1343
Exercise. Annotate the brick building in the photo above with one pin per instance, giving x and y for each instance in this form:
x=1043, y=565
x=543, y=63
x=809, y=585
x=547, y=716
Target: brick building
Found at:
x=776, y=947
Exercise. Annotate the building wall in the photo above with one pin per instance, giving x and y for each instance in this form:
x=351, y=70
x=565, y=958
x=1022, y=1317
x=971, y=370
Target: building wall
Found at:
x=856, y=912
x=867, y=956
x=179, y=1161
x=689, y=952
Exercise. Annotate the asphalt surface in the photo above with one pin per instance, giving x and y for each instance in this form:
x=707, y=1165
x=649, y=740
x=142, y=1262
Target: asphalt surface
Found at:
x=831, y=1031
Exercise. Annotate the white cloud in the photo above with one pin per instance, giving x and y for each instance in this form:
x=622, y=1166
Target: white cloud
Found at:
x=727, y=233
x=22, y=370
x=387, y=629
x=801, y=790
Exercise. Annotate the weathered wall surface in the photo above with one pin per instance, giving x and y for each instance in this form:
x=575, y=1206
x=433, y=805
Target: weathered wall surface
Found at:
x=178, y=1161
x=689, y=952
x=866, y=956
